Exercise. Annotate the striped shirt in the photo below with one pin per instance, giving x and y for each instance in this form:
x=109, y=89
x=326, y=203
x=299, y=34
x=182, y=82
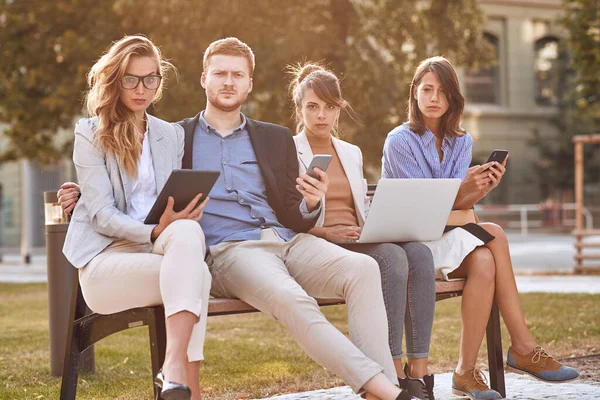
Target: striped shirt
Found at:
x=407, y=154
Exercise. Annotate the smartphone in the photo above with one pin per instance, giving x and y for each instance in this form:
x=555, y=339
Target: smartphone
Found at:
x=320, y=161
x=497, y=155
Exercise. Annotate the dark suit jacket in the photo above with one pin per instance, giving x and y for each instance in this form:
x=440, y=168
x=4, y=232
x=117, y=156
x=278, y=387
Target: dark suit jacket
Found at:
x=276, y=155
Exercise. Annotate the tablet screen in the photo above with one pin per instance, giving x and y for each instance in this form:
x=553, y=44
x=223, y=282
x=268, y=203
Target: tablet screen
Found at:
x=183, y=185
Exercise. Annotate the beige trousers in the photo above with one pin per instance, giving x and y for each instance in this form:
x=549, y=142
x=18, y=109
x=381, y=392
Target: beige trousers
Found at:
x=283, y=278
x=170, y=272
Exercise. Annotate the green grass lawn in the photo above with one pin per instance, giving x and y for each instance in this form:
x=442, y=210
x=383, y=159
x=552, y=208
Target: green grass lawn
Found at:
x=248, y=356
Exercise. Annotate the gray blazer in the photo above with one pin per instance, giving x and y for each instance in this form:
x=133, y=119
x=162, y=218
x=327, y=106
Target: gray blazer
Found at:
x=100, y=216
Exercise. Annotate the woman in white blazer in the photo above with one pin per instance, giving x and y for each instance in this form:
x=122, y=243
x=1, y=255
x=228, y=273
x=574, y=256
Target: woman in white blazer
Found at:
x=407, y=273
x=123, y=157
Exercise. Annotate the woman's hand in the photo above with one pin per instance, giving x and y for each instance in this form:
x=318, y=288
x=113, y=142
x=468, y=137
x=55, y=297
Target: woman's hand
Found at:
x=477, y=179
x=480, y=180
x=341, y=234
x=192, y=211
x=67, y=196
x=313, y=189
x=497, y=171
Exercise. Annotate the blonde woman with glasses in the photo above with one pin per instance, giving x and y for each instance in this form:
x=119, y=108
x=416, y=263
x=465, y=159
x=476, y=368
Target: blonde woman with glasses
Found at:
x=123, y=157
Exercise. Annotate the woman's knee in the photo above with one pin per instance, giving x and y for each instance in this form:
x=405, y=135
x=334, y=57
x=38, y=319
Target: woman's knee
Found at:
x=393, y=262
x=482, y=265
x=495, y=230
x=185, y=230
x=420, y=259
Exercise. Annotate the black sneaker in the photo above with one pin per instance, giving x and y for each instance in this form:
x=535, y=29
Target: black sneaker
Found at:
x=419, y=388
x=428, y=379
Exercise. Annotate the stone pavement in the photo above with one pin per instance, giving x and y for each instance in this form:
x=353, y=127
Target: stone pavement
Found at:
x=517, y=387
x=12, y=271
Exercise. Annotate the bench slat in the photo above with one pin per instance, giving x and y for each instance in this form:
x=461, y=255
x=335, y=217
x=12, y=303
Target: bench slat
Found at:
x=223, y=306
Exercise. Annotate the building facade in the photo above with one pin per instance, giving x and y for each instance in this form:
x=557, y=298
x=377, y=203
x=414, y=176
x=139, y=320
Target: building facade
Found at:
x=508, y=102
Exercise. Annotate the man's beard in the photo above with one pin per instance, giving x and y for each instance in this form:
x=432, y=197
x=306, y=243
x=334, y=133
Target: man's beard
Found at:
x=213, y=99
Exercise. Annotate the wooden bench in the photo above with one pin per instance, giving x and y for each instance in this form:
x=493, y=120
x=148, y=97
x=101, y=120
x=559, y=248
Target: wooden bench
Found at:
x=84, y=331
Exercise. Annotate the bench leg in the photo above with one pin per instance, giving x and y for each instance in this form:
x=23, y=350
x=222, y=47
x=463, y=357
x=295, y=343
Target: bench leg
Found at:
x=494, y=348
x=70, y=373
x=158, y=340
x=68, y=388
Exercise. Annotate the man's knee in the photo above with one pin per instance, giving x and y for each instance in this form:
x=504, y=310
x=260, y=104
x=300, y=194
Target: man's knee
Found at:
x=361, y=267
x=285, y=302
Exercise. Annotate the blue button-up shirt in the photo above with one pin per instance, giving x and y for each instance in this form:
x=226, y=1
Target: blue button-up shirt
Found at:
x=407, y=154
x=238, y=208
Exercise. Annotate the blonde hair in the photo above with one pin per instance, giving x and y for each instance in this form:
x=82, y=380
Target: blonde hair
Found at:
x=117, y=132
x=323, y=82
x=230, y=46
x=450, y=123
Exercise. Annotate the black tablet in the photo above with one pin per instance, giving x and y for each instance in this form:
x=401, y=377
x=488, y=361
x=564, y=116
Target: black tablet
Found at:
x=183, y=185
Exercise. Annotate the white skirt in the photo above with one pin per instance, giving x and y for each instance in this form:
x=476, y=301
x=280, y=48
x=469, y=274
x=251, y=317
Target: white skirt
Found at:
x=455, y=244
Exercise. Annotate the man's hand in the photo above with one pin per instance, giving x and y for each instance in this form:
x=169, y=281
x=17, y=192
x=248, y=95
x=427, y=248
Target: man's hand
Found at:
x=68, y=196
x=192, y=211
x=312, y=189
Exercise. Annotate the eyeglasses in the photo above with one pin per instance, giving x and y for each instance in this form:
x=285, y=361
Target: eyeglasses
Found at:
x=150, y=82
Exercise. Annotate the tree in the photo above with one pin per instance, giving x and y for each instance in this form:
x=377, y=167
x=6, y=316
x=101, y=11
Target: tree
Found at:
x=578, y=92
x=373, y=46
x=47, y=48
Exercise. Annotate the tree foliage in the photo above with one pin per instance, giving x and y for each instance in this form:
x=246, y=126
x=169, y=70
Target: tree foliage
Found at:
x=373, y=45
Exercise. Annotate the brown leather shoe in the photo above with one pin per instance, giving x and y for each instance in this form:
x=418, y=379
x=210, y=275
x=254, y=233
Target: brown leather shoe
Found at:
x=473, y=384
x=540, y=365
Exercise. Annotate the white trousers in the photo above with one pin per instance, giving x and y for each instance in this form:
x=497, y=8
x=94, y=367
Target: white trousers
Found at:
x=283, y=278
x=170, y=272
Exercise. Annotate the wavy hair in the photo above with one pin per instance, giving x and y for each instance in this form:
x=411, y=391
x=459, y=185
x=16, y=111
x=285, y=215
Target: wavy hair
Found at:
x=323, y=82
x=443, y=69
x=117, y=132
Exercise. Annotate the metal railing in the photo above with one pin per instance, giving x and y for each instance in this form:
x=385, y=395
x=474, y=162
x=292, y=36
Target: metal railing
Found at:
x=525, y=210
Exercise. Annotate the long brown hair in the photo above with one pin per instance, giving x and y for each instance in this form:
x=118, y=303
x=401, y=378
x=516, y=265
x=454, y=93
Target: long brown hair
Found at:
x=443, y=69
x=117, y=132
x=325, y=84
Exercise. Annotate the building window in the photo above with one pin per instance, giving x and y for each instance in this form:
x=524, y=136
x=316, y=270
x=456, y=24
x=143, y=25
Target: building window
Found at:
x=545, y=64
x=482, y=84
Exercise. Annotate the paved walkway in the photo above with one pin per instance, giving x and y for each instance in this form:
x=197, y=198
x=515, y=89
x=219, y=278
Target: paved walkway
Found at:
x=517, y=386
x=13, y=271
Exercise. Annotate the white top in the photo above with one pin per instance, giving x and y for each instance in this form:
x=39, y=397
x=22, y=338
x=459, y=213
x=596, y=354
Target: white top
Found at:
x=144, y=191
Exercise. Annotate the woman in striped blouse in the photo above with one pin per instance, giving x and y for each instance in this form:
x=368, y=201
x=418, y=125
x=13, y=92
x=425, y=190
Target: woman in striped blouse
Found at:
x=433, y=145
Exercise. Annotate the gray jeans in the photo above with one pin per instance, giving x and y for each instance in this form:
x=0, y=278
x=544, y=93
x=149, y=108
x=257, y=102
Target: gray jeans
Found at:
x=407, y=278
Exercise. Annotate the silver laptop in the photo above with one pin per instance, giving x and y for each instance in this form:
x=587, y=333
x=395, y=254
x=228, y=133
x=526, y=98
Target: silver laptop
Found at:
x=409, y=210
